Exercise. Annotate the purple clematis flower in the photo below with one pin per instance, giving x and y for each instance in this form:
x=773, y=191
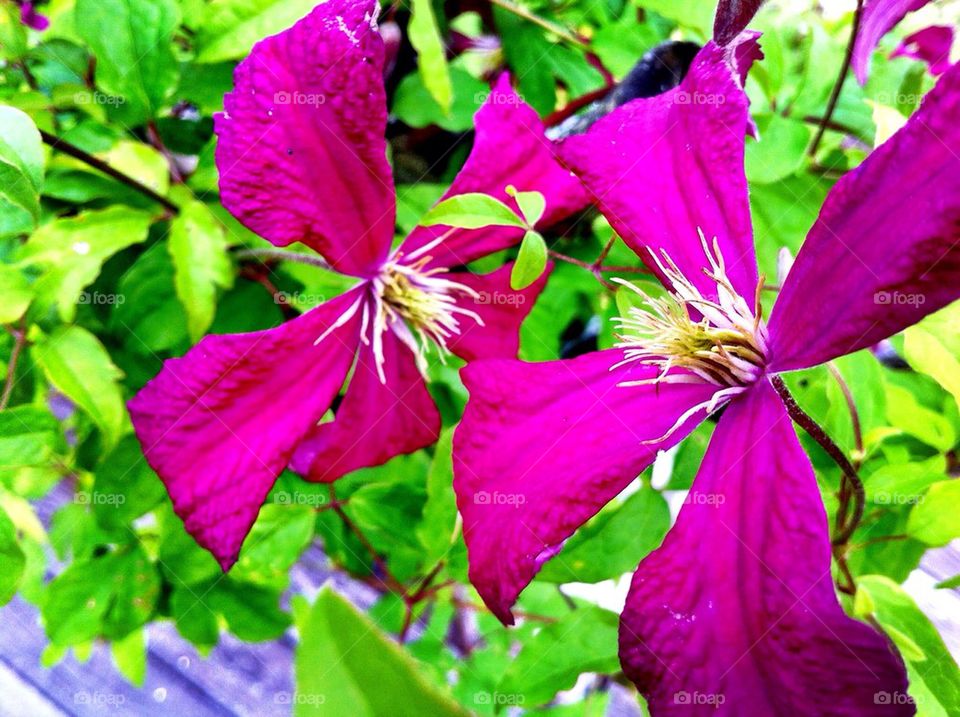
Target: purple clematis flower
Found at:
x=931, y=45
x=302, y=157
x=736, y=613
x=879, y=18
x=31, y=18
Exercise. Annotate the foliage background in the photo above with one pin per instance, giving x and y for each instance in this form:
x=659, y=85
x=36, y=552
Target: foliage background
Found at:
x=101, y=282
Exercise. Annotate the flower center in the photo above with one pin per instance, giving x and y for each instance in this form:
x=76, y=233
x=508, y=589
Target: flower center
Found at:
x=419, y=305
x=722, y=341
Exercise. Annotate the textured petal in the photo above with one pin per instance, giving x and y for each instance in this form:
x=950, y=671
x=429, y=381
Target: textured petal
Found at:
x=509, y=148
x=931, y=45
x=219, y=424
x=665, y=167
x=736, y=614
x=501, y=309
x=375, y=421
x=732, y=18
x=301, y=148
x=885, y=250
x=879, y=18
x=542, y=447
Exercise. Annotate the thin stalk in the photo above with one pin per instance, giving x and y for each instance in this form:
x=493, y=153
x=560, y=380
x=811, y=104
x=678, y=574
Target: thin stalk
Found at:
x=841, y=78
x=553, y=27
x=19, y=341
x=72, y=150
x=281, y=255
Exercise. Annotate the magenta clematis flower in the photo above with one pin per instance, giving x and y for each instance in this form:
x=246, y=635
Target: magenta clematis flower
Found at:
x=302, y=157
x=931, y=45
x=735, y=614
x=879, y=18
x=31, y=18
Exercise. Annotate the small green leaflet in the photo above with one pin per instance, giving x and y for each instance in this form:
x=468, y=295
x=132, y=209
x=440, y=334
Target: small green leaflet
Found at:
x=424, y=34
x=531, y=261
x=472, y=211
x=231, y=27
x=16, y=293
x=12, y=559
x=532, y=204
x=933, y=519
x=21, y=169
x=198, y=245
x=346, y=666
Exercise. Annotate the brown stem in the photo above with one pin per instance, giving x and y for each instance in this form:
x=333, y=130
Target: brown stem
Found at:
x=553, y=27
x=62, y=145
x=838, y=85
x=19, y=341
x=153, y=134
x=851, y=485
x=263, y=255
x=854, y=414
x=466, y=605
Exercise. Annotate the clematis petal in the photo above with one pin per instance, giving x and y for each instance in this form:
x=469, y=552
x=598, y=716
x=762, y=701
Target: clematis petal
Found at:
x=663, y=168
x=376, y=421
x=542, y=447
x=885, y=250
x=509, y=148
x=732, y=18
x=736, y=614
x=931, y=45
x=879, y=18
x=501, y=309
x=301, y=148
x=220, y=423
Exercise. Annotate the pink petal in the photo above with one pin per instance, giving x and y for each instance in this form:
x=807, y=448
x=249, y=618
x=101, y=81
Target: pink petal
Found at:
x=542, y=447
x=663, y=168
x=732, y=18
x=885, y=250
x=219, y=424
x=931, y=45
x=879, y=18
x=376, y=421
x=301, y=148
x=736, y=614
x=509, y=148
x=501, y=309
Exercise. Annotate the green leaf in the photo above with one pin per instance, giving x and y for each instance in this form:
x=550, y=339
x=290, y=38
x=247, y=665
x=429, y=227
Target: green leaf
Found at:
x=16, y=292
x=125, y=486
x=532, y=204
x=12, y=560
x=198, y=245
x=251, y=611
x=31, y=439
x=231, y=27
x=585, y=640
x=133, y=43
x=130, y=657
x=21, y=165
x=72, y=252
x=438, y=529
x=531, y=261
x=934, y=519
x=471, y=211
x=613, y=543
x=424, y=34
x=905, y=412
x=275, y=542
x=779, y=151
x=339, y=654
x=414, y=105
x=194, y=620
x=933, y=671
x=79, y=366
x=933, y=347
